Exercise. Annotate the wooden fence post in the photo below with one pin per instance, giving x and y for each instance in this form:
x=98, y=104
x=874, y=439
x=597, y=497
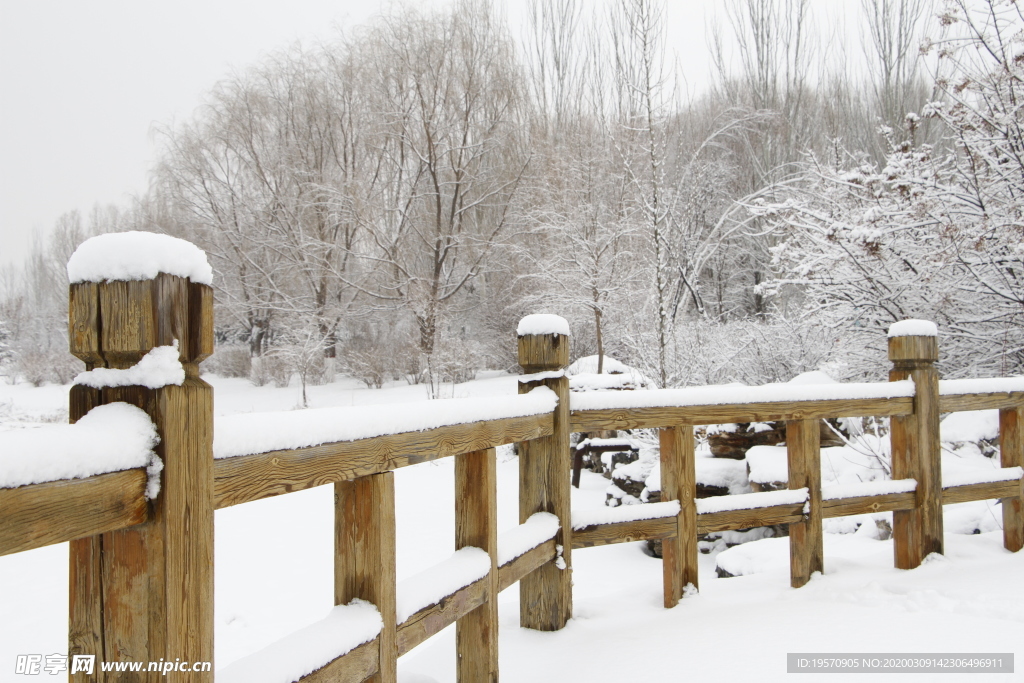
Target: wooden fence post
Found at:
x=803, y=448
x=679, y=482
x=916, y=449
x=146, y=593
x=1011, y=453
x=545, y=468
x=364, y=557
x=476, y=524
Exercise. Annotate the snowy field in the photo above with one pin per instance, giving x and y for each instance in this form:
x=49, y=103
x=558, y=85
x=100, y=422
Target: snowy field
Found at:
x=274, y=576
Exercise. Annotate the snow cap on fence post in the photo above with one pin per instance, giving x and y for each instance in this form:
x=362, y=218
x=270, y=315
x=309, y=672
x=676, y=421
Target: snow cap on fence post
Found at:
x=913, y=340
x=149, y=289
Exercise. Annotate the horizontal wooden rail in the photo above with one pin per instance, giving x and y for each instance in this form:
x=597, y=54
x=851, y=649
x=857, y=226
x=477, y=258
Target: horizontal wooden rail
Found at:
x=984, y=491
x=252, y=477
x=864, y=505
x=57, y=511
x=649, y=418
x=955, y=403
x=748, y=519
x=514, y=570
x=433, y=619
x=357, y=664
x=624, y=532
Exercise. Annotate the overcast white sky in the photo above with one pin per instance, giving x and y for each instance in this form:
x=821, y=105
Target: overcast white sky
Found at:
x=82, y=83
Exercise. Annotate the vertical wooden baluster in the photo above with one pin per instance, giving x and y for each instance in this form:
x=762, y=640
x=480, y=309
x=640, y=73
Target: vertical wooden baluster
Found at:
x=1011, y=450
x=364, y=557
x=679, y=482
x=803, y=447
x=476, y=525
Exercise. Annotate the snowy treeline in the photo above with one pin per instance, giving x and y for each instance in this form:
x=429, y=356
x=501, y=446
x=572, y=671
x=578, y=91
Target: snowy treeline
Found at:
x=389, y=205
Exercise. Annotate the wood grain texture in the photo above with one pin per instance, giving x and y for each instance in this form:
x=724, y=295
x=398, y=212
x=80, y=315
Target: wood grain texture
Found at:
x=1011, y=454
x=128, y=322
x=625, y=532
x=916, y=451
x=83, y=322
x=748, y=519
x=476, y=525
x=545, y=469
x=803, y=449
x=59, y=511
x=541, y=352
x=649, y=418
x=988, y=491
x=449, y=610
x=253, y=477
x=514, y=570
x=679, y=482
x=364, y=556
x=864, y=505
x=955, y=403
x=85, y=597
x=354, y=666
x=200, y=322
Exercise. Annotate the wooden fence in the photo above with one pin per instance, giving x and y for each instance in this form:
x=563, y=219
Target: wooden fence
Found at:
x=142, y=571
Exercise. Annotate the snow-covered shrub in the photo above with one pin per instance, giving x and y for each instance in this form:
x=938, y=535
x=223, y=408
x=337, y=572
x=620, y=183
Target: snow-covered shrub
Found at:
x=230, y=360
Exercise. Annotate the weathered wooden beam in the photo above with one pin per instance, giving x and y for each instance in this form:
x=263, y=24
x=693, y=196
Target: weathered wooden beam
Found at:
x=449, y=610
x=53, y=512
x=476, y=525
x=803, y=449
x=986, y=491
x=626, y=532
x=354, y=666
x=679, y=482
x=864, y=505
x=1011, y=453
x=545, y=466
x=252, y=477
x=955, y=403
x=364, y=557
x=649, y=418
x=514, y=570
x=748, y=519
x=916, y=451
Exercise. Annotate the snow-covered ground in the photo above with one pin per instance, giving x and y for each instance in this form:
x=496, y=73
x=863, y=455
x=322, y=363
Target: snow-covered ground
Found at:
x=274, y=577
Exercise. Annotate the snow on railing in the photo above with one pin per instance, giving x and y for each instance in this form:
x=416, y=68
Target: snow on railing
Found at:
x=110, y=438
x=981, y=476
x=751, y=501
x=738, y=394
x=990, y=385
x=623, y=513
x=345, y=628
x=429, y=587
x=252, y=433
x=858, y=489
x=538, y=528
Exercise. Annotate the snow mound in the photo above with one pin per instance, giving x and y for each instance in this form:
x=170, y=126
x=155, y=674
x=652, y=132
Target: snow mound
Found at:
x=588, y=365
x=137, y=255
